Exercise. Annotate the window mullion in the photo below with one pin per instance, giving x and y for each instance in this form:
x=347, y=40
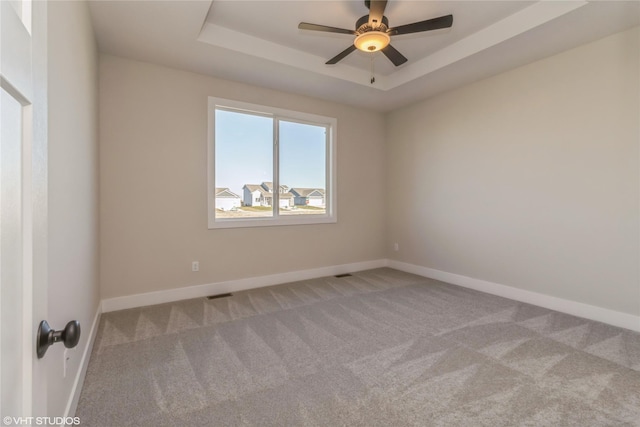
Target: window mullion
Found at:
x=276, y=166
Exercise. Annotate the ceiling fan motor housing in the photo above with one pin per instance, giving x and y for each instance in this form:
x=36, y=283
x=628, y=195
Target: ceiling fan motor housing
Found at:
x=362, y=25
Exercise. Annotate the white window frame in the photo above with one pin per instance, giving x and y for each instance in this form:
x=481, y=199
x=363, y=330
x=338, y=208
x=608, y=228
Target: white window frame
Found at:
x=330, y=123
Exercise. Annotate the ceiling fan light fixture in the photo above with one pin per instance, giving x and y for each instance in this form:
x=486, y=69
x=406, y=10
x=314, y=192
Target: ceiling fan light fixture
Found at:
x=372, y=41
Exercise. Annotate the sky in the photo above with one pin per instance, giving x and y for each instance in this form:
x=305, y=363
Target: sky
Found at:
x=244, y=152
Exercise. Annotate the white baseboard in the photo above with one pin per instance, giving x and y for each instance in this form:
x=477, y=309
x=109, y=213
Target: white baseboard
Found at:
x=604, y=315
x=72, y=404
x=177, y=294
x=611, y=317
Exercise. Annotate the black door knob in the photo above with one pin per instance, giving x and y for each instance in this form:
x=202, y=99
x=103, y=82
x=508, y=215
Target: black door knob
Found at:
x=46, y=337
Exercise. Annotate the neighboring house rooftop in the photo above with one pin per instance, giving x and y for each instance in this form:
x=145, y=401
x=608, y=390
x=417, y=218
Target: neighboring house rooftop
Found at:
x=306, y=192
x=255, y=187
x=262, y=188
x=225, y=192
x=269, y=187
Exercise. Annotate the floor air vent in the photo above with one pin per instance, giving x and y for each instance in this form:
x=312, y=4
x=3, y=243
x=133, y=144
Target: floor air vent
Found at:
x=218, y=296
x=343, y=275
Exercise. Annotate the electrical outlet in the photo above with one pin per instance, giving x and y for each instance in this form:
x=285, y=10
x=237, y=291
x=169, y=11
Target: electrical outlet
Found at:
x=195, y=266
x=396, y=247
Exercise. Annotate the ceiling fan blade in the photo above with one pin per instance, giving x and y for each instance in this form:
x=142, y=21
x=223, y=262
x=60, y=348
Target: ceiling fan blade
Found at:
x=326, y=29
x=341, y=55
x=376, y=12
x=428, y=25
x=394, y=56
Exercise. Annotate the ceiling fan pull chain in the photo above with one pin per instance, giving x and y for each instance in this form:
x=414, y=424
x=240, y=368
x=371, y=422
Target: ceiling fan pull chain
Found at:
x=373, y=77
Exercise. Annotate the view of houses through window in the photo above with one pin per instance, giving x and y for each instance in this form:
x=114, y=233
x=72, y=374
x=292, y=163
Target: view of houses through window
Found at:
x=254, y=150
x=258, y=200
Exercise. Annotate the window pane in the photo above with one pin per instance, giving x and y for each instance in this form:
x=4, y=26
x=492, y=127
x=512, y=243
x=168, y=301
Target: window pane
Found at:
x=244, y=165
x=303, y=168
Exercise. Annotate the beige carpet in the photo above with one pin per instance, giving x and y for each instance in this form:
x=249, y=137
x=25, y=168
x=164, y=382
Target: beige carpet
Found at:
x=380, y=348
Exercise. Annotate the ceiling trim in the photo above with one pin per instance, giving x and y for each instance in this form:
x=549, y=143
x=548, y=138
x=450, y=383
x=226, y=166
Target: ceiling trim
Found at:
x=254, y=46
x=507, y=28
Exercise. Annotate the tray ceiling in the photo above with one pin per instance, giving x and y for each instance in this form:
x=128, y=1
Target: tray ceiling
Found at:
x=258, y=42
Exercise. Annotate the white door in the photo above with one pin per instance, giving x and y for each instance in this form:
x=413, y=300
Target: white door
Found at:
x=22, y=178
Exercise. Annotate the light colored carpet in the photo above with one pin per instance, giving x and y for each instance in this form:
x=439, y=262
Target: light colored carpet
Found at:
x=380, y=348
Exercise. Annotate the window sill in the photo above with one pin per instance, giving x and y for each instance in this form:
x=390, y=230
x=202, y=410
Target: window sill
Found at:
x=269, y=222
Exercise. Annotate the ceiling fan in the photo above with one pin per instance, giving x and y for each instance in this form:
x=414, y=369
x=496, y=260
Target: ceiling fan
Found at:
x=373, y=32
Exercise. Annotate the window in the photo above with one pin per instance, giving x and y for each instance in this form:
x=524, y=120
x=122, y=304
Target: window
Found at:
x=269, y=166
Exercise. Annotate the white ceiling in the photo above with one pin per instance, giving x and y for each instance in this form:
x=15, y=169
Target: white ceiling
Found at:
x=258, y=41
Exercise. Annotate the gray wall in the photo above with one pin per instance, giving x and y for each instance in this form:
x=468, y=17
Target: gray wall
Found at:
x=528, y=179
x=73, y=187
x=153, y=186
